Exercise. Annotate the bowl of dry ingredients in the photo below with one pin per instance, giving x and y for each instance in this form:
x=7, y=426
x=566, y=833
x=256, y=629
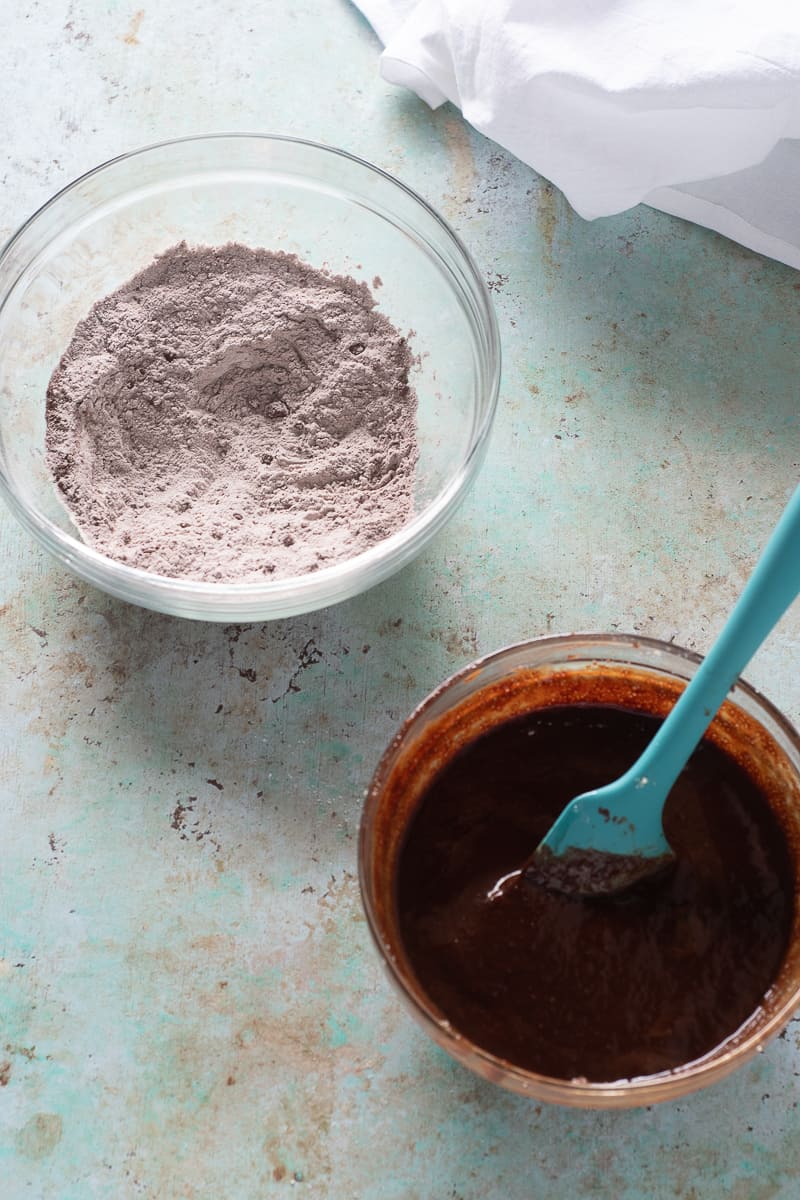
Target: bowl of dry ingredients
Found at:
x=242, y=376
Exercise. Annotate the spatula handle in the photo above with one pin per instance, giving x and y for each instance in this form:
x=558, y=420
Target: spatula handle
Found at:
x=773, y=585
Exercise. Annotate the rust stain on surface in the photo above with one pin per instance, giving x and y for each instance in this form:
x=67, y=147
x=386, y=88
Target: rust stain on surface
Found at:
x=551, y=211
x=546, y=214
x=576, y=396
x=463, y=171
x=28, y=1052
x=39, y=1136
x=178, y=820
x=131, y=38
x=461, y=642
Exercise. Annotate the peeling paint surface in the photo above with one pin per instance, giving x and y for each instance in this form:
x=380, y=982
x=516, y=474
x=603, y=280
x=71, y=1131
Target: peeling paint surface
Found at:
x=190, y=1008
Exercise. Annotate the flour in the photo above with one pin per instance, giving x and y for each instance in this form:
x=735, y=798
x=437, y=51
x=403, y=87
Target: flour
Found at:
x=234, y=414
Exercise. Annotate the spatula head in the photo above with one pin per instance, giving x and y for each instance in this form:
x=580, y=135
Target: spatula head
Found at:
x=589, y=872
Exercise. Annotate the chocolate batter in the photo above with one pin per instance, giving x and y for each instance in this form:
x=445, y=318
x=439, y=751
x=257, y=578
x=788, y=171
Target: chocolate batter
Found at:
x=604, y=989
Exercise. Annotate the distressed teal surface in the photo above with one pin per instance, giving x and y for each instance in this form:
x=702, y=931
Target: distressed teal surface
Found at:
x=189, y=1004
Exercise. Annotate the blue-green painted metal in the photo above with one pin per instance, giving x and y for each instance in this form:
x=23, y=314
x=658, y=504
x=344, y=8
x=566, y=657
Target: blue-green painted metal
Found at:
x=624, y=816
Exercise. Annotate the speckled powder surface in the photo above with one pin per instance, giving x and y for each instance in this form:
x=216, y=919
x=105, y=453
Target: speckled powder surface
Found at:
x=234, y=414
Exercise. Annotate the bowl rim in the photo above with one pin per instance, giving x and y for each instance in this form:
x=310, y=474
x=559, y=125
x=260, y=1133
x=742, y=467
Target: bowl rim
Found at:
x=642, y=1090
x=295, y=589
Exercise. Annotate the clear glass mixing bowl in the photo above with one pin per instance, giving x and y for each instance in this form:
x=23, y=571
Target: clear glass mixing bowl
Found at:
x=523, y=678
x=330, y=209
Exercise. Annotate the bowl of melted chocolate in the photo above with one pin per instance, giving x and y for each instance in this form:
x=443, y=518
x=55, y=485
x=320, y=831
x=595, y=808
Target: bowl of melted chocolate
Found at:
x=593, y=1002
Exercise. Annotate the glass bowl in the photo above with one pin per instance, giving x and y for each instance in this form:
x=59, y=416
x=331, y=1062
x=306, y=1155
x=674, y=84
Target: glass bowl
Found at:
x=333, y=211
x=520, y=679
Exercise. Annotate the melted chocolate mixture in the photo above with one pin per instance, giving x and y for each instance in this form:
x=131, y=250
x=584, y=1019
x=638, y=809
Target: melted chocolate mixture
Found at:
x=602, y=989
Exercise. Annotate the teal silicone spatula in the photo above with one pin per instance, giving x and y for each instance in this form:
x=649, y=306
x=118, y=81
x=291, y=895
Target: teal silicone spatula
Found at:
x=608, y=839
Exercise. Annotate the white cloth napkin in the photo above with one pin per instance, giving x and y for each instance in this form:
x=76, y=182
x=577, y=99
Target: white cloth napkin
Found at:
x=692, y=106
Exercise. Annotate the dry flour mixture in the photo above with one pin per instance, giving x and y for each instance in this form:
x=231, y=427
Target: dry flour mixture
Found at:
x=234, y=414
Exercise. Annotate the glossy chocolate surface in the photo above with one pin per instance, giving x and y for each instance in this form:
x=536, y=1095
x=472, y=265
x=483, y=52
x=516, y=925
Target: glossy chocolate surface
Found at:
x=597, y=989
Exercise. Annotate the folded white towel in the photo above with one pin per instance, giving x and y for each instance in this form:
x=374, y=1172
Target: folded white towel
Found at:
x=692, y=106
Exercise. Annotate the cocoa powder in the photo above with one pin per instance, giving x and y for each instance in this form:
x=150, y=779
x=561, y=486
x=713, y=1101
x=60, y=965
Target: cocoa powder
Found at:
x=234, y=414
